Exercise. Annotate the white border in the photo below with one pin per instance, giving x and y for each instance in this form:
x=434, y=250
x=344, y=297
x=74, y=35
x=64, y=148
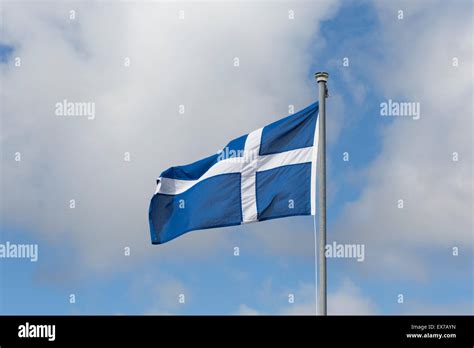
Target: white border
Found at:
x=314, y=166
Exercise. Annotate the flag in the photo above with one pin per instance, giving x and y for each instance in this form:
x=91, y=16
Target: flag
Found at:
x=267, y=174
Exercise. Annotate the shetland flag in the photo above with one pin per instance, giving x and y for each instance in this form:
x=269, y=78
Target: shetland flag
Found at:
x=267, y=174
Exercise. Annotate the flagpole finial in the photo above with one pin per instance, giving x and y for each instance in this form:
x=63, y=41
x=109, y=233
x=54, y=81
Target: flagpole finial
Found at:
x=321, y=76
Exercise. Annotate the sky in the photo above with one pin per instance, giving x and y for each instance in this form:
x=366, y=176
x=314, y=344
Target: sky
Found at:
x=141, y=62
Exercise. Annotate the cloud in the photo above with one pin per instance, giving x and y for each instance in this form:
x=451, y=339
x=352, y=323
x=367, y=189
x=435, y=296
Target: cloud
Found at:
x=279, y=237
x=347, y=299
x=416, y=159
x=166, y=294
x=246, y=310
x=304, y=303
x=173, y=62
x=423, y=308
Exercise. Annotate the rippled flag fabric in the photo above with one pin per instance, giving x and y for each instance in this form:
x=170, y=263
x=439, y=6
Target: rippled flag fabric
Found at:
x=267, y=174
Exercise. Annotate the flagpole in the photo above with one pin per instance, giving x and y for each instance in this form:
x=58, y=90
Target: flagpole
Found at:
x=322, y=78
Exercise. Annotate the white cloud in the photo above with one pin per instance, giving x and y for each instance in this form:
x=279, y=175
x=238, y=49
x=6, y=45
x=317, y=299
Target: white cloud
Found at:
x=166, y=294
x=423, y=308
x=415, y=163
x=348, y=300
x=290, y=236
x=246, y=310
x=304, y=303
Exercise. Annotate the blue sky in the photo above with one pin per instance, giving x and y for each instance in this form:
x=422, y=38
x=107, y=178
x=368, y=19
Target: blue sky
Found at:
x=81, y=252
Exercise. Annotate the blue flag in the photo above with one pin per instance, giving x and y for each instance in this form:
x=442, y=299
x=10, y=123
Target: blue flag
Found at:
x=267, y=174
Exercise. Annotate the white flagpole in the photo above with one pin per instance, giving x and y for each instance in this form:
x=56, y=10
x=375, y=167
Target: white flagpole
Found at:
x=322, y=78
